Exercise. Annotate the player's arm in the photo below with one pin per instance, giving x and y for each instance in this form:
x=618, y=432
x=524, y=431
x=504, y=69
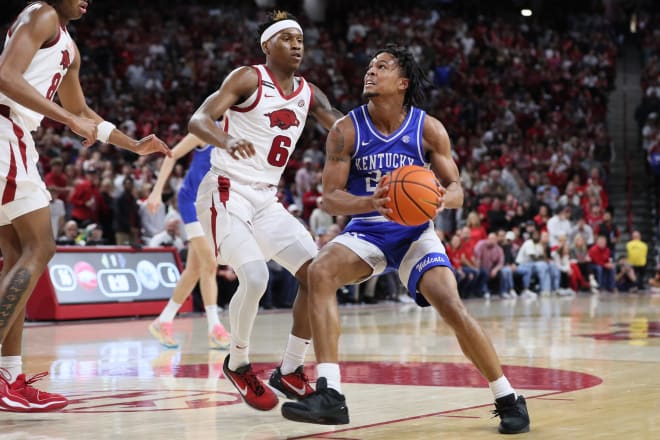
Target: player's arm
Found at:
x=438, y=148
x=183, y=147
x=339, y=150
x=73, y=99
x=322, y=110
x=239, y=85
x=29, y=33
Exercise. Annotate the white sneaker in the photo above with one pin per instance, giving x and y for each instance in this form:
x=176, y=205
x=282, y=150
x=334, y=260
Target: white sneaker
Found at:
x=528, y=294
x=566, y=292
x=545, y=293
x=513, y=293
x=505, y=295
x=593, y=283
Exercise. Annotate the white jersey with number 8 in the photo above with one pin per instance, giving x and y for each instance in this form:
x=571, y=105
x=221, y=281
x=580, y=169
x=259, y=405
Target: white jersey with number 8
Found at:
x=45, y=72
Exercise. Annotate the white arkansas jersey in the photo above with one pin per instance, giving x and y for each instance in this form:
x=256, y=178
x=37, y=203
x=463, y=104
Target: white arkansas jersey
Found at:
x=45, y=72
x=272, y=122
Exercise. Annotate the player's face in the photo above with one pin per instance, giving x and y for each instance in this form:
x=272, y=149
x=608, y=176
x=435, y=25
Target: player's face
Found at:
x=383, y=76
x=72, y=9
x=287, y=47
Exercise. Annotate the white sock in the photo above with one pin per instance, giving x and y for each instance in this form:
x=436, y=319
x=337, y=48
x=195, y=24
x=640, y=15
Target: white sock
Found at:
x=331, y=373
x=294, y=354
x=13, y=365
x=212, y=316
x=501, y=387
x=169, y=312
x=239, y=355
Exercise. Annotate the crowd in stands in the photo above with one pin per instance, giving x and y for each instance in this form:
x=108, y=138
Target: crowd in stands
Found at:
x=525, y=106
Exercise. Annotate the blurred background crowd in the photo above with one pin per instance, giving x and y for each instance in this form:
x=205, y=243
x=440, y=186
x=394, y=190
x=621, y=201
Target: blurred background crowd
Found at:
x=524, y=99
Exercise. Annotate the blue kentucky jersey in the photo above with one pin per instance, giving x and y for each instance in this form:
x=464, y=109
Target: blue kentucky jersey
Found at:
x=199, y=166
x=376, y=154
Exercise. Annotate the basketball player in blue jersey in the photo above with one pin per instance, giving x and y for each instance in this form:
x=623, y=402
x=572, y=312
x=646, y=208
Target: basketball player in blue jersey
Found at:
x=39, y=60
x=200, y=261
x=362, y=147
x=264, y=109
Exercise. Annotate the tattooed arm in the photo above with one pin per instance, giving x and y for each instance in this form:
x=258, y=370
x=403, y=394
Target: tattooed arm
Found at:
x=339, y=150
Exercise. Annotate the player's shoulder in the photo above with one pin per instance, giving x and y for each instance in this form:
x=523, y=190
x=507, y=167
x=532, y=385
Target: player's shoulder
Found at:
x=39, y=10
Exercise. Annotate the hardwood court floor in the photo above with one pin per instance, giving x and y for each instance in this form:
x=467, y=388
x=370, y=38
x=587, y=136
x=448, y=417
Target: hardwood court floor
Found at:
x=589, y=367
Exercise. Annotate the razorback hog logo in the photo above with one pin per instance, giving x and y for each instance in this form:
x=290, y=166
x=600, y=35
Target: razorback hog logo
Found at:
x=283, y=118
x=66, y=60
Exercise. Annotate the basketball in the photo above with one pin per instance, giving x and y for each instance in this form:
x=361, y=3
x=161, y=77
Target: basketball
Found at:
x=413, y=195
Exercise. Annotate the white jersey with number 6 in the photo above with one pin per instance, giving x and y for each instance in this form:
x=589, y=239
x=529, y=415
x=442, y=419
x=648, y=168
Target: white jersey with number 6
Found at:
x=45, y=72
x=273, y=123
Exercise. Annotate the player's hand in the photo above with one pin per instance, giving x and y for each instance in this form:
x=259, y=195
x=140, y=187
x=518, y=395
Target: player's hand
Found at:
x=240, y=148
x=86, y=129
x=380, y=197
x=152, y=144
x=153, y=202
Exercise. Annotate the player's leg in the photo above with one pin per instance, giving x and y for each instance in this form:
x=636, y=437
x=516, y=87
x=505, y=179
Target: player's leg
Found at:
x=285, y=240
x=32, y=233
x=161, y=327
x=201, y=256
x=335, y=266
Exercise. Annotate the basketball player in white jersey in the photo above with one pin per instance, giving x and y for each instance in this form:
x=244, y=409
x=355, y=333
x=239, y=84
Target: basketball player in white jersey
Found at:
x=265, y=108
x=39, y=59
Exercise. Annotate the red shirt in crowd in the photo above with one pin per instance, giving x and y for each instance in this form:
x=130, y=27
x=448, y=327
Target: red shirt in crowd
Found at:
x=600, y=255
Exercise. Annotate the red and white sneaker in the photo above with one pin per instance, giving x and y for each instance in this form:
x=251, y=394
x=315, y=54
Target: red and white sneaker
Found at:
x=39, y=401
x=253, y=391
x=10, y=400
x=293, y=385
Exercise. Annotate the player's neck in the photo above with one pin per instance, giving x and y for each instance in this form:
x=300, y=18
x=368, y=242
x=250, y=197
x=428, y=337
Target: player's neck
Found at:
x=387, y=116
x=283, y=78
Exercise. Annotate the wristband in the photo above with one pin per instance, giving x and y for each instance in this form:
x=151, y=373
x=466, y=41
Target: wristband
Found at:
x=103, y=130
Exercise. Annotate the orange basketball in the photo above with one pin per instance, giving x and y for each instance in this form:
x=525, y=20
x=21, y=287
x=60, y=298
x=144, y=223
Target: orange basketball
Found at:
x=413, y=195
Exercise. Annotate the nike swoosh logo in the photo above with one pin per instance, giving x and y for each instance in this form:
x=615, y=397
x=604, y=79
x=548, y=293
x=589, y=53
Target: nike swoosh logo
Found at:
x=243, y=391
x=269, y=96
x=365, y=143
x=299, y=391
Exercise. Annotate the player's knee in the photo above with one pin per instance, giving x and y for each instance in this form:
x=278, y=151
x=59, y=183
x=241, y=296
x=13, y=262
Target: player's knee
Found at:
x=42, y=252
x=254, y=276
x=318, y=272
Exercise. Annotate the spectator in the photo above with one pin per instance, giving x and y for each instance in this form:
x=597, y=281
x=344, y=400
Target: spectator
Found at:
x=319, y=219
x=506, y=241
x=169, y=236
x=625, y=279
x=559, y=225
x=56, y=180
x=609, y=230
x=87, y=203
x=562, y=260
x=127, y=221
x=281, y=289
x=531, y=261
x=94, y=235
x=580, y=257
x=70, y=236
x=57, y=213
x=637, y=252
x=582, y=228
x=489, y=257
x=602, y=263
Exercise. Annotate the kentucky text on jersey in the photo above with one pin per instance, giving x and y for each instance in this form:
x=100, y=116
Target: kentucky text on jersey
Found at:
x=382, y=160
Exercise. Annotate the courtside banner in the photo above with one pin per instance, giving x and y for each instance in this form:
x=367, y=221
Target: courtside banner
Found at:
x=110, y=274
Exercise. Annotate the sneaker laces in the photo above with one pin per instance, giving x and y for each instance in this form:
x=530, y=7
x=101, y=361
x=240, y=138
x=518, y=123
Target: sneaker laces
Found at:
x=506, y=410
x=37, y=377
x=253, y=381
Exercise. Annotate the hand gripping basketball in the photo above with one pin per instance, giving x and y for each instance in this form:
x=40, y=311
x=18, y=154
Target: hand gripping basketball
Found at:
x=414, y=193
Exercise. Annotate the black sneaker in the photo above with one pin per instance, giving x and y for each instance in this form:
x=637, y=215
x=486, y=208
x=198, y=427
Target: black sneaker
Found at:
x=513, y=414
x=293, y=386
x=325, y=406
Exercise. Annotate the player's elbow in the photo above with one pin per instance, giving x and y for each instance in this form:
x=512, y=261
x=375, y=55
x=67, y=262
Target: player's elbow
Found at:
x=6, y=80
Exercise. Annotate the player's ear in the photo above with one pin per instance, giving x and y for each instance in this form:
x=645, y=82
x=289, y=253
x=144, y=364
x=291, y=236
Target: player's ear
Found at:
x=404, y=83
x=264, y=48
